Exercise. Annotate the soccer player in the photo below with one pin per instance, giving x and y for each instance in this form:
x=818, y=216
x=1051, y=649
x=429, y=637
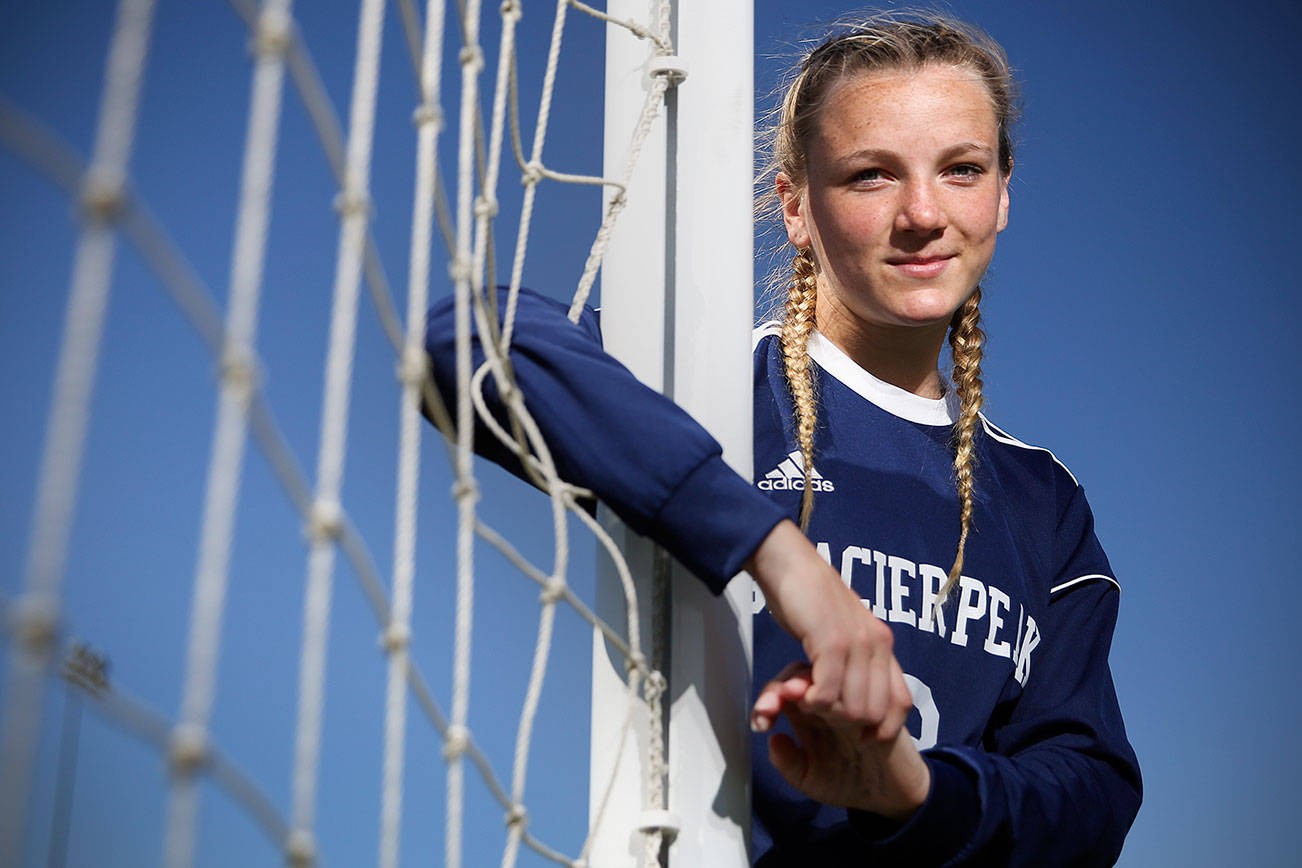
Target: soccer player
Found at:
x=931, y=655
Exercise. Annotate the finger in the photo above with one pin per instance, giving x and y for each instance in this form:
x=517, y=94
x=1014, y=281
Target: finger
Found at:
x=896, y=703
x=879, y=694
x=795, y=669
x=856, y=692
x=789, y=686
x=901, y=702
x=828, y=674
x=768, y=705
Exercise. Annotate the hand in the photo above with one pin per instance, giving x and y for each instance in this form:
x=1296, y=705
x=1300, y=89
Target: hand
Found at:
x=848, y=705
x=870, y=766
x=849, y=651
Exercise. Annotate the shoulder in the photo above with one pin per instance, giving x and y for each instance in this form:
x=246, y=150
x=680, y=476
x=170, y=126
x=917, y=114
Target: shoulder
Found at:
x=1037, y=460
x=1036, y=484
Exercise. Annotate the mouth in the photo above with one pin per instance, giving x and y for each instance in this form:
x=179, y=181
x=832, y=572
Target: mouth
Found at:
x=920, y=267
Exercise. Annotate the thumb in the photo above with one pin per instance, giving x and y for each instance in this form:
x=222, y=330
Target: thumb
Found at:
x=789, y=759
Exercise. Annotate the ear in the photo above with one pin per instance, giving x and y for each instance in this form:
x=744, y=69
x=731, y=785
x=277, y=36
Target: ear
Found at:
x=1002, y=220
x=793, y=211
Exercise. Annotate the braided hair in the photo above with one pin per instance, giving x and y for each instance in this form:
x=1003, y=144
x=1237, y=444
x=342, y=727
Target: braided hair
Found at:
x=888, y=41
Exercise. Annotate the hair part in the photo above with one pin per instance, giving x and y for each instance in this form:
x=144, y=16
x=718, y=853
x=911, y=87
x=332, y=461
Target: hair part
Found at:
x=862, y=45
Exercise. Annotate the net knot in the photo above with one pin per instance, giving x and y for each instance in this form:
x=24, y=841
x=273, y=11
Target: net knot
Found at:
x=533, y=173
x=636, y=662
x=395, y=637
x=459, y=270
x=659, y=820
x=413, y=368
x=188, y=749
x=511, y=10
x=326, y=521
x=103, y=195
x=300, y=849
x=351, y=203
x=455, y=742
x=465, y=489
x=236, y=367
x=508, y=392
x=427, y=114
x=472, y=56
x=485, y=206
x=35, y=621
x=552, y=591
x=86, y=669
x=670, y=67
x=272, y=35
x=517, y=817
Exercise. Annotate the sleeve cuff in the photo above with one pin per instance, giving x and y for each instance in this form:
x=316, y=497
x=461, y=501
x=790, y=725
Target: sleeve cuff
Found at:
x=714, y=521
x=941, y=827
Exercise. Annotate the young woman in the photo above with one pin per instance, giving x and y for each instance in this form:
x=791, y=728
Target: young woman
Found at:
x=933, y=653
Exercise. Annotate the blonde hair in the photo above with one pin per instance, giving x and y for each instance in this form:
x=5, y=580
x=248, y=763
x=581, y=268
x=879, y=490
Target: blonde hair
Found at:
x=879, y=42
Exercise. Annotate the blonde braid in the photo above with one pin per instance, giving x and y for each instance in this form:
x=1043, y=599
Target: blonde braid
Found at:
x=966, y=340
x=802, y=296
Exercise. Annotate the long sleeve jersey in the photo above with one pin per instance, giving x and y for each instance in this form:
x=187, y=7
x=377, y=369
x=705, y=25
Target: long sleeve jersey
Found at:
x=1014, y=707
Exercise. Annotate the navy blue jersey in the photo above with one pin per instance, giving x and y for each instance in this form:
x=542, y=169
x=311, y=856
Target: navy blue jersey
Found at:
x=1014, y=707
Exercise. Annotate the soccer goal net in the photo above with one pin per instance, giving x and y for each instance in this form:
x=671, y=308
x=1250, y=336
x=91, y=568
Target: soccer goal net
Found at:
x=215, y=438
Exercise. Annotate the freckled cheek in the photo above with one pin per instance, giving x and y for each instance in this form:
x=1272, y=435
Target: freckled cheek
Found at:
x=981, y=222
x=837, y=211
x=857, y=230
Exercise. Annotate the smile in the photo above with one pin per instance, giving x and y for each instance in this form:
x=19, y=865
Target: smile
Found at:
x=921, y=267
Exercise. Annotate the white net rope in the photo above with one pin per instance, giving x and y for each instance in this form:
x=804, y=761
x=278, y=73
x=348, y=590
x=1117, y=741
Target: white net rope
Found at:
x=109, y=208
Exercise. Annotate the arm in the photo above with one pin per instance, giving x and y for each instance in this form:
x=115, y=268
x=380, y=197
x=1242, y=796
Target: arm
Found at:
x=658, y=469
x=851, y=749
x=1057, y=781
x=664, y=475
x=1054, y=782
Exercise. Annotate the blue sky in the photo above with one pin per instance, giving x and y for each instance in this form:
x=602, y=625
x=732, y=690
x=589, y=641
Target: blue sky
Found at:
x=1141, y=311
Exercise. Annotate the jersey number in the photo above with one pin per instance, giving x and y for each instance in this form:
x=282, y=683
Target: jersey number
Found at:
x=925, y=703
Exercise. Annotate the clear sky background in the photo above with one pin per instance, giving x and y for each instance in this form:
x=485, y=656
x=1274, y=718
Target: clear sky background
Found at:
x=1142, y=311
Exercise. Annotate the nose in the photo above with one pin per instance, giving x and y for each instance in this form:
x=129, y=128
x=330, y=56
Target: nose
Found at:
x=920, y=209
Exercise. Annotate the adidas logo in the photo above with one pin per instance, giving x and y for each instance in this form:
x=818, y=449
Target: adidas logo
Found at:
x=790, y=476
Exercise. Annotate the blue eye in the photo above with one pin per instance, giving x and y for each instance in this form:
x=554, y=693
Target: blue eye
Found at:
x=967, y=170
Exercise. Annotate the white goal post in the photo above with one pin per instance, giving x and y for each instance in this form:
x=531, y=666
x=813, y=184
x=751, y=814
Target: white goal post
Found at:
x=678, y=305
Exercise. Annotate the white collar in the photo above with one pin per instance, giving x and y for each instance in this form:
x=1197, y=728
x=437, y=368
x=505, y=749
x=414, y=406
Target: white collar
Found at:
x=892, y=399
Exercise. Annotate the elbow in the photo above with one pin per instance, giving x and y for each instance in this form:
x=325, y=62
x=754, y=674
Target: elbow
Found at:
x=1124, y=804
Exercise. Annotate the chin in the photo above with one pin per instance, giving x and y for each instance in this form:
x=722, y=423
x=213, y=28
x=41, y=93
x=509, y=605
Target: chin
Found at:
x=929, y=311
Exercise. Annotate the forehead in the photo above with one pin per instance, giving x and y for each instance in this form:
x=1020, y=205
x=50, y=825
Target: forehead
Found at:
x=934, y=105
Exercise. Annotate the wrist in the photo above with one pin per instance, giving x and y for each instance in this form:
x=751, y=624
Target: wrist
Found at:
x=903, y=782
x=785, y=557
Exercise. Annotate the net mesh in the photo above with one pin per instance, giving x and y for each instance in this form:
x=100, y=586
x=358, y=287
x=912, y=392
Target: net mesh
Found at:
x=39, y=638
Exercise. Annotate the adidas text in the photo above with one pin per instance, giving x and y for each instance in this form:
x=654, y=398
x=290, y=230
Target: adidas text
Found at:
x=782, y=483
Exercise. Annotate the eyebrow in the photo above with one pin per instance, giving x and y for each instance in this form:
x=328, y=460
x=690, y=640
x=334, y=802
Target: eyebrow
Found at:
x=882, y=154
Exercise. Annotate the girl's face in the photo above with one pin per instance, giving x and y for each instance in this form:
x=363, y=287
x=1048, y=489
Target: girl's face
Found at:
x=904, y=197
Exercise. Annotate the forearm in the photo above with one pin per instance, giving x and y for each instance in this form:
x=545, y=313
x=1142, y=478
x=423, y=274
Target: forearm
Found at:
x=1057, y=781
x=656, y=467
x=1049, y=807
